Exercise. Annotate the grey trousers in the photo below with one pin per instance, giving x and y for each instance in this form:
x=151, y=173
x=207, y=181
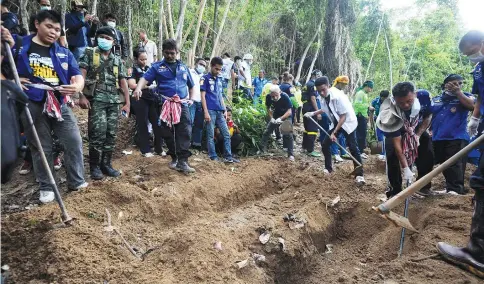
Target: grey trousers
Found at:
x=69, y=137
x=287, y=139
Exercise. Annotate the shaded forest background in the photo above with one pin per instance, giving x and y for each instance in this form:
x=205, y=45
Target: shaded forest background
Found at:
x=351, y=37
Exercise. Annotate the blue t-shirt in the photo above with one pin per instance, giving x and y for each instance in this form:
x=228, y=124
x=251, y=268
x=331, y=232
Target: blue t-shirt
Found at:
x=286, y=88
x=423, y=97
x=258, y=84
x=449, y=118
x=77, y=29
x=280, y=107
x=213, y=88
x=478, y=85
x=170, y=82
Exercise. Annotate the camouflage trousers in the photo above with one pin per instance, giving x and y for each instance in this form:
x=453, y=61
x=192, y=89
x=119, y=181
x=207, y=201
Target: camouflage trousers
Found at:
x=103, y=126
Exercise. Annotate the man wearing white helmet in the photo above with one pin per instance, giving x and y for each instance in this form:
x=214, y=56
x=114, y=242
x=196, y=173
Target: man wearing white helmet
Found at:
x=247, y=84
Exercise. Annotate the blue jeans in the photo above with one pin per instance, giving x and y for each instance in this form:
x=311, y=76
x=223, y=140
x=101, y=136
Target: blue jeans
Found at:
x=217, y=118
x=380, y=137
x=256, y=98
x=225, y=85
x=196, y=115
x=78, y=51
x=335, y=149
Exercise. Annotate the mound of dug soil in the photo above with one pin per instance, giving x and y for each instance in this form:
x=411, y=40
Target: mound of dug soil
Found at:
x=193, y=229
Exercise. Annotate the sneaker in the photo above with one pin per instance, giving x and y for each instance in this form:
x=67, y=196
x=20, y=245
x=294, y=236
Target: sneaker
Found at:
x=364, y=156
x=25, y=168
x=148, y=155
x=79, y=187
x=215, y=159
x=314, y=154
x=46, y=196
x=163, y=154
x=346, y=157
x=173, y=164
x=57, y=164
x=291, y=158
x=338, y=159
x=360, y=180
x=326, y=172
x=426, y=192
x=235, y=160
x=382, y=158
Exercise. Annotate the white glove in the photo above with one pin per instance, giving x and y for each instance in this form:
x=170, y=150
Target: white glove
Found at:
x=472, y=126
x=309, y=114
x=278, y=121
x=273, y=121
x=408, y=175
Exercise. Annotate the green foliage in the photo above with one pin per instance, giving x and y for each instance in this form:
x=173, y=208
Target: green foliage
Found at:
x=251, y=121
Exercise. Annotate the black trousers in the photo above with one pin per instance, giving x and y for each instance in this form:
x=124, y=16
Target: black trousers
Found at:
x=361, y=131
x=424, y=163
x=147, y=110
x=178, y=136
x=454, y=175
x=352, y=145
x=235, y=141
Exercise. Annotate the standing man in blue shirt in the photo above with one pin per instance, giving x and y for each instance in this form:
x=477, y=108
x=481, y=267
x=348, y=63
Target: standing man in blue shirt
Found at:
x=211, y=90
x=77, y=25
x=450, y=111
x=259, y=83
x=376, y=103
x=404, y=120
x=172, y=79
x=471, y=257
x=43, y=61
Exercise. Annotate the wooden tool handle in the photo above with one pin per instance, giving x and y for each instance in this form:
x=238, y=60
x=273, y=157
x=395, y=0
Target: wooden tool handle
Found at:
x=400, y=197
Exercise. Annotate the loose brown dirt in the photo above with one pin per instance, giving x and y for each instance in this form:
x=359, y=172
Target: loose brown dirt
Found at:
x=174, y=220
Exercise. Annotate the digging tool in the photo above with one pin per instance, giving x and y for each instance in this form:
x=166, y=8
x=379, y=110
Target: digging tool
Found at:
x=405, y=214
x=360, y=166
x=66, y=219
x=385, y=208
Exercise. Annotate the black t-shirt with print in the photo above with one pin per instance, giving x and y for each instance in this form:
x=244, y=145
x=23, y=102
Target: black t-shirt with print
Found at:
x=42, y=66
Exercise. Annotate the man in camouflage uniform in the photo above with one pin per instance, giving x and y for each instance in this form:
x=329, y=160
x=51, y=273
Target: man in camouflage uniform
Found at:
x=106, y=70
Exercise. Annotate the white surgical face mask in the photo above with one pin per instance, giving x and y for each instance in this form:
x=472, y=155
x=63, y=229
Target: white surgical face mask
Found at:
x=45, y=8
x=478, y=56
x=200, y=69
x=111, y=24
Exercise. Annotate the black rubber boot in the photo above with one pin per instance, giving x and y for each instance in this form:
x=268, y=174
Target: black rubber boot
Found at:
x=94, y=161
x=471, y=257
x=106, y=166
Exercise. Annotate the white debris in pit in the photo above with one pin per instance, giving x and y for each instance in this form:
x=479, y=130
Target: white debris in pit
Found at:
x=125, y=152
x=241, y=264
x=217, y=245
x=335, y=201
x=264, y=237
x=329, y=249
x=258, y=258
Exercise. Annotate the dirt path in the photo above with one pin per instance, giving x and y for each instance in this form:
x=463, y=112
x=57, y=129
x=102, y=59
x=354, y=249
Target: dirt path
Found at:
x=176, y=219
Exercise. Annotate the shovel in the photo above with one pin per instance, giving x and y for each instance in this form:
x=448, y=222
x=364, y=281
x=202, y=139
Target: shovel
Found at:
x=400, y=221
x=66, y=219
x=356, y=169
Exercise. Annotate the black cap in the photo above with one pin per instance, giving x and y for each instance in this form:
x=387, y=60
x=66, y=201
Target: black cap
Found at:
x=453, y=77
x=106, y=31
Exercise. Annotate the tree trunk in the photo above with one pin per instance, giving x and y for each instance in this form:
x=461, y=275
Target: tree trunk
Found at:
x=215, y=14
x=219, y=33
x=301, y=63
x=187, y=32
x=24, y=14
x=165, y=26
x=181, y=20
x=94, y=7
x=197, y=28
x=293, y=47
x=170, y=19
x=205, y=37
x=160, y=29
x=130, y=31
x=314, y=59
x=390, y=60
x=338, y=54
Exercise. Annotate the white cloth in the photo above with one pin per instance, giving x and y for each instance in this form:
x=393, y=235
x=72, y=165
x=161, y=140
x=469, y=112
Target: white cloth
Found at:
x=151, y=51
x=339, y=105
x=196, y=86
x=226, y=68
x=248, y=78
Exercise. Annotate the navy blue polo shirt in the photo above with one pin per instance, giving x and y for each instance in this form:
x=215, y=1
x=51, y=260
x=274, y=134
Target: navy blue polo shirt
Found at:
x=478, y=85
x=213, y=88
x=286, y=88
x=449, y=118
x=280, y=107
x=137, y=74
x=425, y=101
x=170, y=82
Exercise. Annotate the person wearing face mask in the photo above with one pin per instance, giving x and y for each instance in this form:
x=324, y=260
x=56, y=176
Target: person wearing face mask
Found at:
x=146, y=108
x=78, y=25
x=471, y=257
x=196, y=109
x=101, y=66
x=176, y=87
x=121, y=46
x=450, y=111
x=279, y=109
x=343, y=120
x=404, y=120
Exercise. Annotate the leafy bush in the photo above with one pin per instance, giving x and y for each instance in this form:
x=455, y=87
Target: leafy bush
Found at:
x=251, y=121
